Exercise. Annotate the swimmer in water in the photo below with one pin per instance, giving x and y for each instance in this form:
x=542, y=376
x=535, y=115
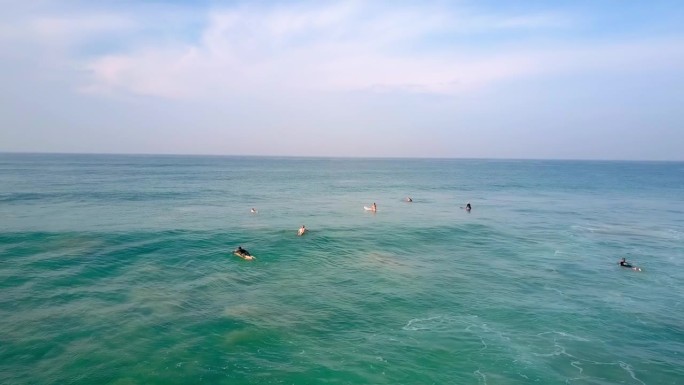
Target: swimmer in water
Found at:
x=468, y=207
x=301, y=231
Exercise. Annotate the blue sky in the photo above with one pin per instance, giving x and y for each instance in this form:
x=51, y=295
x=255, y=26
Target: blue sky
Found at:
x=474, y=79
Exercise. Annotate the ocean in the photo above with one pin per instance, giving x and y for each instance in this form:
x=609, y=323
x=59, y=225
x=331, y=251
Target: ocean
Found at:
x=117, y=269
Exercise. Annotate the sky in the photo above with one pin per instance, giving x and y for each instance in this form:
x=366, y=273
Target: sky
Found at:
x=439, y=79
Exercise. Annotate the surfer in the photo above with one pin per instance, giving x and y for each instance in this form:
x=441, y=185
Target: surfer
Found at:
x=240, y=252
x=409, y=199
x=372, y=208
x=468, y=207
x=253, y=210
x=623, y=262
x=301, y=231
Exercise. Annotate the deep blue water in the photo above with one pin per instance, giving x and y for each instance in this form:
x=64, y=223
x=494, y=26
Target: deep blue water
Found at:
x=117, y=270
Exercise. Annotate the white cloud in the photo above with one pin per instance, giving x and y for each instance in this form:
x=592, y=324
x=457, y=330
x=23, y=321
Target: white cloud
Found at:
x=340, y=47
x=280, y=50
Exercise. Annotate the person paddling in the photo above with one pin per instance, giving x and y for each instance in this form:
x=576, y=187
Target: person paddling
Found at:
x=242, y=252
x=623, y=262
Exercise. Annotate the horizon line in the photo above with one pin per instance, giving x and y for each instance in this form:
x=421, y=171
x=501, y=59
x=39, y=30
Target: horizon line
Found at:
x=336, y=157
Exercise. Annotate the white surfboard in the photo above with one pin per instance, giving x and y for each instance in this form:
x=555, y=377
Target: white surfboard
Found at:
x=245, y=257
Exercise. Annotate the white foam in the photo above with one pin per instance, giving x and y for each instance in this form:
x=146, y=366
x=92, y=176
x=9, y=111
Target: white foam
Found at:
x=576, y=364
x=481, y=377
x=564, y=334
x=630, y=370
x=439, y=323
x=420, y=323
x=484, y=344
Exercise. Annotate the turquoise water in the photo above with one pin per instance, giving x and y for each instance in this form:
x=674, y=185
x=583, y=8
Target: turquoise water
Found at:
x=117, y=270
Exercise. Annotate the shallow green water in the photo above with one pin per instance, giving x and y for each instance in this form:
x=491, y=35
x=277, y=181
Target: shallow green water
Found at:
x=117, y=270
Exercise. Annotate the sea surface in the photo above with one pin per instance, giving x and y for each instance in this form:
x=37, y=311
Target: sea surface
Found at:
x=118, y=270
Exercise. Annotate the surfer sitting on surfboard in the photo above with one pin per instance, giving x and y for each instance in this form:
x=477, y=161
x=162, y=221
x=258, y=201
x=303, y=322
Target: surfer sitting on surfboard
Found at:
x=301, y=231
x=468, y=207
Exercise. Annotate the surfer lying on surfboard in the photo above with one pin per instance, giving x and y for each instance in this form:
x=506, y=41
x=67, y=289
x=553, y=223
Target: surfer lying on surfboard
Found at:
x=244, y=254
x=624, y=263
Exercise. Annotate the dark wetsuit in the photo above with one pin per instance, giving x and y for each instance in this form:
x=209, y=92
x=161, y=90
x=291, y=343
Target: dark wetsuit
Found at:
x=242, y=252
x=625, y=264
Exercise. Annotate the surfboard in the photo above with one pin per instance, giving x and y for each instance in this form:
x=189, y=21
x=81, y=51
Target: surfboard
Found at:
x=245, y=257
x=368, y=208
